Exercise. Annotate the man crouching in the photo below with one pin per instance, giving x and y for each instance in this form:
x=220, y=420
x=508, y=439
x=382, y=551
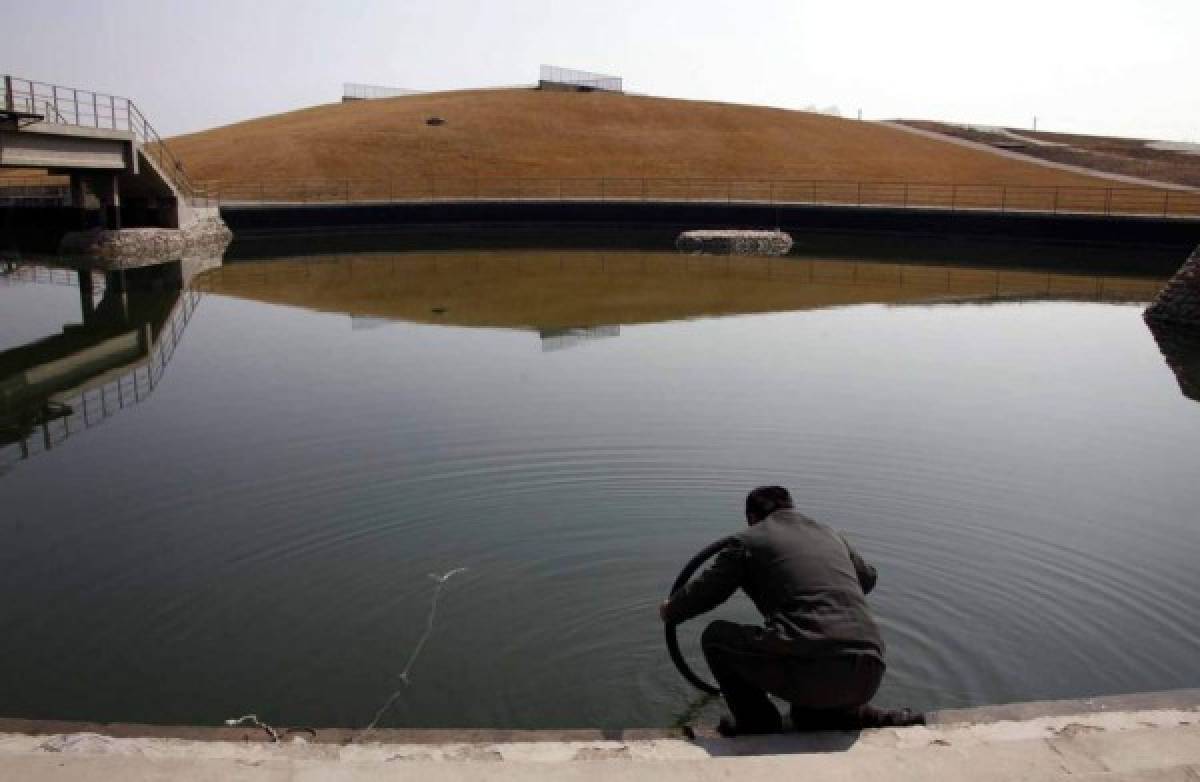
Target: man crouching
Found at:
x=819, y=649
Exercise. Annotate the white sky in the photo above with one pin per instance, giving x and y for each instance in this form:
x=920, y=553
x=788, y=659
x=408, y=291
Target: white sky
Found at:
x=1123, y=68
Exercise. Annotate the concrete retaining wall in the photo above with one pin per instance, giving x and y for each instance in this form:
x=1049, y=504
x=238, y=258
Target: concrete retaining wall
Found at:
x=678, y=217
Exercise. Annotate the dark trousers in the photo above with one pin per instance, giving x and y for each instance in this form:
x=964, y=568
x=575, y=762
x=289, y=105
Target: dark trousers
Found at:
x=751, y=662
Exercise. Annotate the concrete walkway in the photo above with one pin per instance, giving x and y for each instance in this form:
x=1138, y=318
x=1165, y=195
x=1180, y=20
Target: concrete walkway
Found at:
x=1098, y=742
x=962, y=142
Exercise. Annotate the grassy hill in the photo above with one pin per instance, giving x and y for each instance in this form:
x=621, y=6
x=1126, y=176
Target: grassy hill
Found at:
x=532, y=133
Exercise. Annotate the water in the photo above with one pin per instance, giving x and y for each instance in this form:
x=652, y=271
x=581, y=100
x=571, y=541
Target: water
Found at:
x=252, y=526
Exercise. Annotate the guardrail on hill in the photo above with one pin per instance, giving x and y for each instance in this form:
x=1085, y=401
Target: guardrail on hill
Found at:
x=59, y=105
x=1125, y=201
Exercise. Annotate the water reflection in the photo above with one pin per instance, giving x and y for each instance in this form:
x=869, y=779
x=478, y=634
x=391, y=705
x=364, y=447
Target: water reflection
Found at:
x=1181, y=348
x=130, y=322
x=560, y=293
x=1009, y=467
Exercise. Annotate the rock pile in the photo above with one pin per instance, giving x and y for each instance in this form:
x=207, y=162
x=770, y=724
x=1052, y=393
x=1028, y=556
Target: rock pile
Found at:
x=129, y=247
x=1178, y=303
x=734, y=242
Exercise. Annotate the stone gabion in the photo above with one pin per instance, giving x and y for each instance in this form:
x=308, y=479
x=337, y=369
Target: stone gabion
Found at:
x=130, y=247
x=734, y=242
x=1179, y=300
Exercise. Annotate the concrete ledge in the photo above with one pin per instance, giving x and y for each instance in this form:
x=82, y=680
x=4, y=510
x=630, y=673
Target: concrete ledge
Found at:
x=1177, y=700
x=1160, y=744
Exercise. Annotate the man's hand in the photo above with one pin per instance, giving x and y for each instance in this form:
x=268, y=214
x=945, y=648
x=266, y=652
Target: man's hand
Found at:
x=662, y=610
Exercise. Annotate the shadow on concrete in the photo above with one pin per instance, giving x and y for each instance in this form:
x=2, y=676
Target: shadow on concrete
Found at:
x=779, y=743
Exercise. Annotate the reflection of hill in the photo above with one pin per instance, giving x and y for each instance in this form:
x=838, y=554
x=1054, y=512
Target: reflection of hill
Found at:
x=541, y=290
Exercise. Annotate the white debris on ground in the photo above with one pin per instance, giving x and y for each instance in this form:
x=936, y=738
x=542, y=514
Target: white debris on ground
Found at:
x=997, y=130
x=1186, y=147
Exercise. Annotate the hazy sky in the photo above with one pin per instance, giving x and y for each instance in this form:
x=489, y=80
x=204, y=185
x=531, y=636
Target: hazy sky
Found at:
x=1127, y=68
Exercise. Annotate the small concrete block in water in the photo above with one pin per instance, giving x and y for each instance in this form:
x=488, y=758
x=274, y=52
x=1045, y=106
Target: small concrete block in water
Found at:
x=734, y=242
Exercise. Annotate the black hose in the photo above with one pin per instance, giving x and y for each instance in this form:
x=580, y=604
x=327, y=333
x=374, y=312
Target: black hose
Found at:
x=685, y=575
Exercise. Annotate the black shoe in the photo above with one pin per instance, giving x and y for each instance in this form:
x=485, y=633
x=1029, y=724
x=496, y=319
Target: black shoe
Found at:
x=727, y=728
x=904, y=718
x=872, y=717
x=806, y=720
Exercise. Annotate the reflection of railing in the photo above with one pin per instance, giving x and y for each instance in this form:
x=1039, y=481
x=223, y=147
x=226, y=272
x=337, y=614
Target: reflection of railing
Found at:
x=17, y=274
x=71, y=106
x=90, y=405
x=1004, y=199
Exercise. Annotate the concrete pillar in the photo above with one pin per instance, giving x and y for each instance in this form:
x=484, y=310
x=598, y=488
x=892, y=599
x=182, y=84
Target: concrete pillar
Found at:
x=109, y=191
x=87, y=304
x=79, y=200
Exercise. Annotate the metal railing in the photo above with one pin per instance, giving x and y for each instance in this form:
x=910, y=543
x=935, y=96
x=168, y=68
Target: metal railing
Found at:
x=1004, y=199
x=355, y=91
x=59, y=105
x=33, y=192
x=555, y=74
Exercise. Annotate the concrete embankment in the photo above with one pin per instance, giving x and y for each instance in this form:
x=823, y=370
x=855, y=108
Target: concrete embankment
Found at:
x=1153, y=736
x=671, y=218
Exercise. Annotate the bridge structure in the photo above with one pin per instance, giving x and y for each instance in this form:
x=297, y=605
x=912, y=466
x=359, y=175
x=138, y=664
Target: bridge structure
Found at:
x=104, y=145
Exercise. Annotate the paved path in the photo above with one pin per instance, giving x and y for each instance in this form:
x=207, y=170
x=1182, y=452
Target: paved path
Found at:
x=1129, y=180
x=1149, y=744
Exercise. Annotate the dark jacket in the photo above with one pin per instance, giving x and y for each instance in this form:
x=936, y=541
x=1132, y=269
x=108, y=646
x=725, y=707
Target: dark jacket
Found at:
x=806, y=580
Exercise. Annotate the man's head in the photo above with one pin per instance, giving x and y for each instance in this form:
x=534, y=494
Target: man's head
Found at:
x=764, y=501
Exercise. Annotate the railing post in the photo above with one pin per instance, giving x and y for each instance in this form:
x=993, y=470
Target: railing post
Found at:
x=1166, y=200
x=1003, y=198
x=95, y=112
x=953, y=198
x=8, y=95
x=602, y=189
x=1108, y=200
x=1055, y=207
x=858, y=194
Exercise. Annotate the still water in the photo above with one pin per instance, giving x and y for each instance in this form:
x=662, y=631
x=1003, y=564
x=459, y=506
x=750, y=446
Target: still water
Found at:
x=247, y=520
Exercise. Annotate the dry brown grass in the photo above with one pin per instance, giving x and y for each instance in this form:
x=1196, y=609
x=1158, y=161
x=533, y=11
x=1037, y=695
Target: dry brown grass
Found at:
x=530, y=133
